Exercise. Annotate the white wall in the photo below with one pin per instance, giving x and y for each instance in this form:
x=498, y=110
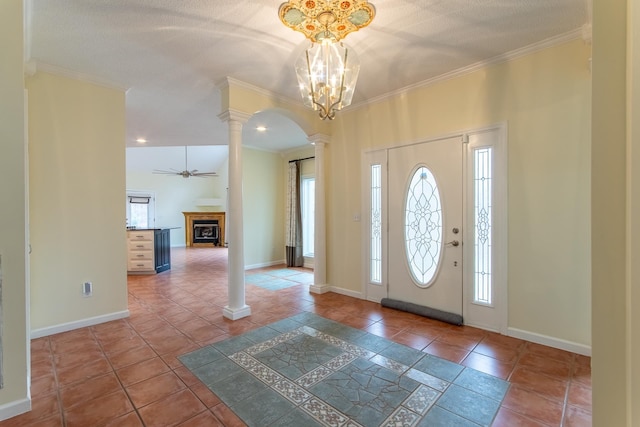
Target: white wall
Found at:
x=175, y=195
x=77, y=187
x=263, y=203
x=14, y=394
x=545, y=99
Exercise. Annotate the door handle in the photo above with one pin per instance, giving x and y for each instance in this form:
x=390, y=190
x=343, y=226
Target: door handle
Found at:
x=453, y=243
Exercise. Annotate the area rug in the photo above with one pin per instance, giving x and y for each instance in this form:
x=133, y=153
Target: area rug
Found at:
x=310, y=371
x=277, y=279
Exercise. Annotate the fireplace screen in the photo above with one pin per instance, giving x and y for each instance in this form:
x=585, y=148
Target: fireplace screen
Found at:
x=206, y=231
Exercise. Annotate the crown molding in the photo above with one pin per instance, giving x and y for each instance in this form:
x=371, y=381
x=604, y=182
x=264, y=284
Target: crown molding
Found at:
x=506, y=57
x=227, y=82
x=290, y=151
x=261, y=149
x=319, y=138
x=32, y=67
x=234, y=115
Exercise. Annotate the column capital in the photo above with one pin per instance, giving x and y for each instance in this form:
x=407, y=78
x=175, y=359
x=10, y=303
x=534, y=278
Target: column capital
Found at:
x=319, y=139
x=234, y=115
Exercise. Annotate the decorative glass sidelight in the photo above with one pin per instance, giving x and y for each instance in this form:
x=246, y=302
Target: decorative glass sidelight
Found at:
x=482, y=196
x=375, y=257
x=423, y=226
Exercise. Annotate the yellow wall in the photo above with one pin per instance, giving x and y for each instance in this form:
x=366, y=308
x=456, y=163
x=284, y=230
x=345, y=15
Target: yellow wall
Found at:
x=610, y=363
x=12, y=209
x=77, y=190
x=263, y=207
x=545, y=99
x=633, y=212
x=307, y=167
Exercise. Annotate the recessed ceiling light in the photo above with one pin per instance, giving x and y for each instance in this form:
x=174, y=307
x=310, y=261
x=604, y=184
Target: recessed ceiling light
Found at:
x=141, y=140
x=261, y=128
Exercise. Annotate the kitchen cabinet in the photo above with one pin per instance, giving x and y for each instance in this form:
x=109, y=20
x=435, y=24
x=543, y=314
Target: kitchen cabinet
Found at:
x=148, y=251
x=162, y=249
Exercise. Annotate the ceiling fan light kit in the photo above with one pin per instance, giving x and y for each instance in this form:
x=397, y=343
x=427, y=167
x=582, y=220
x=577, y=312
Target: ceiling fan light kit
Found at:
x=186, y=173
x=327, y=72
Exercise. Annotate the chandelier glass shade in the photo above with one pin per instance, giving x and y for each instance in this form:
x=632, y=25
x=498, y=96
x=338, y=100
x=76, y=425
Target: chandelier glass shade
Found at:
x=327, y=74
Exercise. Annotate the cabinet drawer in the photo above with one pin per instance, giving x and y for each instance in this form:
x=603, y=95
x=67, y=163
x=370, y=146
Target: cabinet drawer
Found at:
x=140, y=265
x=141, y=245
x=134, y=235
x=140, y=256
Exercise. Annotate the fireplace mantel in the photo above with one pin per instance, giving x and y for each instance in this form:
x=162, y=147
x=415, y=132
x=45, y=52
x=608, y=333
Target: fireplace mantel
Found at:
x=189, y=217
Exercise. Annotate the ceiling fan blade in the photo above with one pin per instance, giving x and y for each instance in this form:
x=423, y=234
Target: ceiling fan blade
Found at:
x=205, y=174
x=165, y=172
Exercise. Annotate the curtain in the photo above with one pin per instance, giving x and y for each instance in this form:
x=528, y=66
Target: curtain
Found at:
x=294, y=218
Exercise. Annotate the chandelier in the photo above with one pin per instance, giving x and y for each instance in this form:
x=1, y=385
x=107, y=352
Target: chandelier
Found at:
x=327, y=72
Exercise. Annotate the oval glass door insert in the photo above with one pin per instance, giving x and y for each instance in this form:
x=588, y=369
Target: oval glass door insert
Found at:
x=423, y=226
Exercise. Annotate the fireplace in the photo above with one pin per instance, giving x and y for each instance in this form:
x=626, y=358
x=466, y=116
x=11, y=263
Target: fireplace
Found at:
x=204, y=228
x=206, y=231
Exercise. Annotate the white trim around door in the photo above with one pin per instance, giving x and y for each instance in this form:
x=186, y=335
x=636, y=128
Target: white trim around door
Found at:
x=484, y=237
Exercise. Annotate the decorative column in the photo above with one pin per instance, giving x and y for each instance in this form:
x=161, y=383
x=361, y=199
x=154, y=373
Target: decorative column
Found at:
x=320, y=285
x=236, y=308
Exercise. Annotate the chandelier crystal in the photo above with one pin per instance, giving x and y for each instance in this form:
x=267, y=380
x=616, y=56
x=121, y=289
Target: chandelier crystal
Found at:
x=327, y=71
x=327, y=74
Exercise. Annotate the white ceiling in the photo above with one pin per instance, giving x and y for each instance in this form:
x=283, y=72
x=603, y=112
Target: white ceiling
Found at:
x=169, y=54
x=203, y=158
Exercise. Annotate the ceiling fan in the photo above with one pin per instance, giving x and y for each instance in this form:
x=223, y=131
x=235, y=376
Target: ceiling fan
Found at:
x=186, y=173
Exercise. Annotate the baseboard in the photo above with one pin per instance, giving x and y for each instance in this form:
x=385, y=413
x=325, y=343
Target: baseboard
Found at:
x=550, y=341
x=90, y=321
x=347, y=292
x=264, y=264
x=319, y=289
x=17, y=407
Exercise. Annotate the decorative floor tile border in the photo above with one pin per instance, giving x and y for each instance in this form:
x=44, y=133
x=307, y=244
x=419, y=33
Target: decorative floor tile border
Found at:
x=258, y=348
x=321, y=411
x=302, y=392
x=408, y=414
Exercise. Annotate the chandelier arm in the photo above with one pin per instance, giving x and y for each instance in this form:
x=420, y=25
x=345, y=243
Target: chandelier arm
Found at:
x=322, y=108
x=339, y=100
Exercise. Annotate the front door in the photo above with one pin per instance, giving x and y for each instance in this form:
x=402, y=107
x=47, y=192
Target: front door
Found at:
x=425, y=205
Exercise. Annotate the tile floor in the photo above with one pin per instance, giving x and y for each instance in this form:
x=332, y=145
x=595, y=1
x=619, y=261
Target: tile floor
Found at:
x=126, y=372
x=315, y=372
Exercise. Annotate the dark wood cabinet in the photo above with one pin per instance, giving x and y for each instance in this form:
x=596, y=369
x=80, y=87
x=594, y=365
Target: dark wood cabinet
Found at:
x=162, y=249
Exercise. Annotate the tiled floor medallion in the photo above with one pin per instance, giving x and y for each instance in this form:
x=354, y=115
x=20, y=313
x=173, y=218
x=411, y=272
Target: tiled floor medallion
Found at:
x=307, y=370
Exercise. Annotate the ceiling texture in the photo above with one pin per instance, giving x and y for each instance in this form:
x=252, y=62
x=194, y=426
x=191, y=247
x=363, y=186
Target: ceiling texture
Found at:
x=170, y=54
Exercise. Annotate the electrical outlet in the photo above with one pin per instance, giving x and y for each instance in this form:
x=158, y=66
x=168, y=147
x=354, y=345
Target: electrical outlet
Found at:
x=87, y=289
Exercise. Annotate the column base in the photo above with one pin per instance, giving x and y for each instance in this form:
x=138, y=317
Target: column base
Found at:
x=319, y=289
x=236, y=313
